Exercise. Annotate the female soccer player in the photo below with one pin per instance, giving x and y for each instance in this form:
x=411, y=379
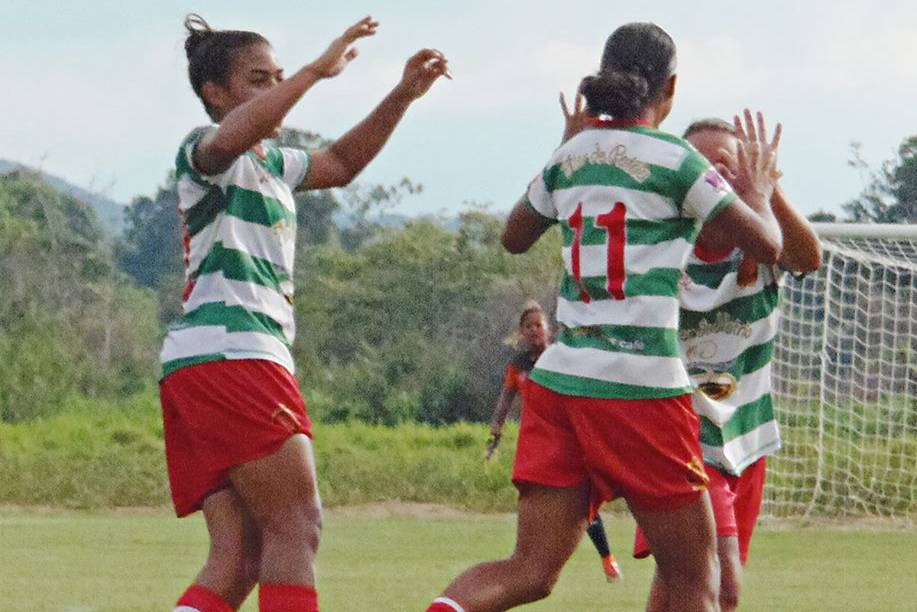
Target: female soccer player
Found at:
x=534, y=332
x=236, y=430
x=727, y=328
x=608, y=412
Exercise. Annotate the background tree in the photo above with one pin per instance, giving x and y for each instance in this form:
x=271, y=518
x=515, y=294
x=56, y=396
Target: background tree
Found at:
x=890, y=195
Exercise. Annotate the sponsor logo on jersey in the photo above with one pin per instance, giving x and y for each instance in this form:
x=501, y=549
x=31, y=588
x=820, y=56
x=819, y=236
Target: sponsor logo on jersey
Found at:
x=716, y=180
x=617, y=157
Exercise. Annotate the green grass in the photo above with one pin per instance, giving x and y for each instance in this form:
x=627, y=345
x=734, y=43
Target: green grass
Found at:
x=127, y=561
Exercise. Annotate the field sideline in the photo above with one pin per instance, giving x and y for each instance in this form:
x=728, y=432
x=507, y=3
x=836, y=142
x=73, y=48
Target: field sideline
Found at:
x=397, y=557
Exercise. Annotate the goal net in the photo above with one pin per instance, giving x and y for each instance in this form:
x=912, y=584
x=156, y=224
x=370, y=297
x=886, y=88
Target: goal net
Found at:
x=845, y=380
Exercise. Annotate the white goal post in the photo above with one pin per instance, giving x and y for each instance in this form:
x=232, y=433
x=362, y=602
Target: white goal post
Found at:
x=845, y=380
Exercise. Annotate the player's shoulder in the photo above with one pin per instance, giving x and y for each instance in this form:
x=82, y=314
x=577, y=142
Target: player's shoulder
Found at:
x=183, y=161
x=521, y=360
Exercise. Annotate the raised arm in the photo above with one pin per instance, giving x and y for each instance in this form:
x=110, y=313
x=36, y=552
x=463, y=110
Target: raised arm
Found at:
x=801, y=248
x=247, y=124
x=524, y=227
x=343, y=160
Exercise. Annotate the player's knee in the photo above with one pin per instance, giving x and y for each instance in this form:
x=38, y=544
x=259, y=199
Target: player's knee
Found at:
x=301, y=523
x=541, y=578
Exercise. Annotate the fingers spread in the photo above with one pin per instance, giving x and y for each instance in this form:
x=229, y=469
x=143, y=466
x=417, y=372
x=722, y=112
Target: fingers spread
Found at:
x=740, y=131
x=778, y=131
x=750, y=125
x=563, y=105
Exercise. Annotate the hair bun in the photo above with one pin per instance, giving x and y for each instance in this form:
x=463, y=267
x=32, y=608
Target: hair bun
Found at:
x=198, y=31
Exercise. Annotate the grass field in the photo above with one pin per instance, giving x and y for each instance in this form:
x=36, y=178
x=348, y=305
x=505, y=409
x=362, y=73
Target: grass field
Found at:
x=396, y=558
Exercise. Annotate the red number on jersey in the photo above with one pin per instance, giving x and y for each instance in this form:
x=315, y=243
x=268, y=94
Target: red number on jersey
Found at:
x=614, y=224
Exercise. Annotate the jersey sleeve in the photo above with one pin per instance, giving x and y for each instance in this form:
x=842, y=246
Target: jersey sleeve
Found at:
x=295, y=166
x=708, y=192
x=539, y=197
x=511, y=378
x=184, y=163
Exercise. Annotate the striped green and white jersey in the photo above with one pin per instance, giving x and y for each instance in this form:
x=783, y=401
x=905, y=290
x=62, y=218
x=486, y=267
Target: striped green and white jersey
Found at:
x=239, y=234
x=727, y=341
x=630, y=200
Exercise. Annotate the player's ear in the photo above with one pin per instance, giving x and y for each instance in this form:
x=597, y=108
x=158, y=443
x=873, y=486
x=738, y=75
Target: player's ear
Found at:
x=215, y=96
x=670, y=86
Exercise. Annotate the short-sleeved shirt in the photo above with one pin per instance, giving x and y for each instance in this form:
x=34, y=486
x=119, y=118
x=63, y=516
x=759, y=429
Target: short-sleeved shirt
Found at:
x=727, y=341
x=630, y=200
x=239, y=235
x=516, y=375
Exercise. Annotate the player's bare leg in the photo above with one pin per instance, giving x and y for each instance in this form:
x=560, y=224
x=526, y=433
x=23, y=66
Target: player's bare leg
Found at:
x=683, y=542
x=231, y=569
x=730, y=572
x=532, y=570
x=730, y=579
x=281, y=494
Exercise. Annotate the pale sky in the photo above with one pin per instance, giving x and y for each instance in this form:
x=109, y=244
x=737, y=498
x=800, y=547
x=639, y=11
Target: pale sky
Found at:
x=97, y=92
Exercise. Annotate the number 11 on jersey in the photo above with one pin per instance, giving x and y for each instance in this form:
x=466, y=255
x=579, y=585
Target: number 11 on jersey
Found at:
x=614, y=223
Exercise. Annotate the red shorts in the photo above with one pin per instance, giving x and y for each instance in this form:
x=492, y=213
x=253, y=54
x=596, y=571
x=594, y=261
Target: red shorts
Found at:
x=736, y=503
x=220, y=414
x=646, y=450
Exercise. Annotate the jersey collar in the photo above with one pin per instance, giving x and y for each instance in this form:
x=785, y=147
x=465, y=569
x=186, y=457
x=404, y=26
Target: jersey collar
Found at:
x=619, y=123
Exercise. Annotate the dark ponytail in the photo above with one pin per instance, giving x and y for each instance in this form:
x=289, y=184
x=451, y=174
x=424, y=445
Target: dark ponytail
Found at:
x=211, y=53
x=638, y=60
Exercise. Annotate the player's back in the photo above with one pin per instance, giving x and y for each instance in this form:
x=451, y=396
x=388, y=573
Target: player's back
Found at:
x=629, y=200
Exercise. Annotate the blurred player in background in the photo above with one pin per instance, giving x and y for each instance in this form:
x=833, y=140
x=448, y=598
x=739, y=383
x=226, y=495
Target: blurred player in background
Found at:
x=236, y=430
x=534, y=334
x=727, y=326
x=608, y=413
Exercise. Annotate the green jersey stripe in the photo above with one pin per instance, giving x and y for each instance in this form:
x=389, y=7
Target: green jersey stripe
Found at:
x=202, y=213
x=748, y=308
x=581, y=386
x=175, y=364
x=240, y=266
x=234, y=319
x=660, y=282
x=711, y=275
x=751, y=360
x=741, y=452
x=660, y=181
x=255, y=207
x=638, y=231
x=636, y=339
x=746, y=418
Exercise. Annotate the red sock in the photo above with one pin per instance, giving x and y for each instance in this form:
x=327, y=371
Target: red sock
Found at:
x=203, y=599
x=444, y=604
x=273, y=597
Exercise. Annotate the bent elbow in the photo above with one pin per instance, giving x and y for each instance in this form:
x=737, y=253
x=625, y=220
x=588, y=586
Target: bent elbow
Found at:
x=513, y=245
x=769, y=252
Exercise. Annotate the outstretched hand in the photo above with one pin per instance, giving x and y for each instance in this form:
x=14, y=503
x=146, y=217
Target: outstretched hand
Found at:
x=755, y=170
x=422, y=70
x=576, y=120
x=339, y=54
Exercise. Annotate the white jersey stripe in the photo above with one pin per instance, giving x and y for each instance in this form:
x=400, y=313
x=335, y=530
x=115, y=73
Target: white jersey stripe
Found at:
x=639, y=258
x=645, y=310
x=189, y=342
x=256, y=240
x=741, y=452
x=599, y=199
x=215, y=287
x=607, y=366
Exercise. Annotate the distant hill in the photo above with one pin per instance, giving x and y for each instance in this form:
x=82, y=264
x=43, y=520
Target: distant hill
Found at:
x=109, y=212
